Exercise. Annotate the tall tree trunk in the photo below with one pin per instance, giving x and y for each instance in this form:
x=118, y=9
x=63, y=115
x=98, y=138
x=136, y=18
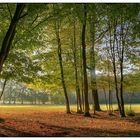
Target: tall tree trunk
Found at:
x=6, y=44
x=96, y=105
x=79, y=106
x=116, y=88
x=62, y=77
x=113, y=56
x=81, y=78
x=121, y=67
x=85, y=80
x=109, y=89
x=59, y=52
x=121, y=92
x=120, y=50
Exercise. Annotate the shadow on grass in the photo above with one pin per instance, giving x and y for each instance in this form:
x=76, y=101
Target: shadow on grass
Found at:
x=2, y=120
x=135, y=119
x=16, y=132
x=58, y=131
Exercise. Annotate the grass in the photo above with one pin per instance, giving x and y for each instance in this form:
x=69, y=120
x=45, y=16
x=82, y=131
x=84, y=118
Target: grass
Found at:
x=135, y=107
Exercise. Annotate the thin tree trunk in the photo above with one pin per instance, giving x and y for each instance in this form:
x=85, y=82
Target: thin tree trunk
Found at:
x=131, y=96
x=120, y=50
x=86, y=103
x=110, y=102
x=121, y=92
x=109, y=91
x=112, y=48
x=105, y=98
x=121, y=68
x=59, y=52
x=81, y=78
x=116, y=88
x=62, y=78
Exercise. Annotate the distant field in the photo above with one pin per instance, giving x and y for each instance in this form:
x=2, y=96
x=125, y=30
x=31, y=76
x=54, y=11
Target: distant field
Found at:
x=135, y=107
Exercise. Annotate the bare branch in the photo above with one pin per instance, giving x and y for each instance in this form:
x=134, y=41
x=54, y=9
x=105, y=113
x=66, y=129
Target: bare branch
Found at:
x=34, y=19
x=101, y=35
x=9, y=11
x=23, y=15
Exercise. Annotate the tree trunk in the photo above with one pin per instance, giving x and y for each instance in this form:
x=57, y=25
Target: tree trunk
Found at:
x=113, y=55
x=116, y=88
x=62, y=78
x=6, y=44
x=120, y=50
x=121, y=93
x=109, y=90
x=14, y=101
x=3, y=88
x=131, y=96
x=85, y=80
x=61, y=67
x=121, y=66
x=79, y=106
x=22, y=100
x=105, y=98
x=93, y=67
x=81, y=78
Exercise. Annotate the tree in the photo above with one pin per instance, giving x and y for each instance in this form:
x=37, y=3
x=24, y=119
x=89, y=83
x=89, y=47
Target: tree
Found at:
x=9, y=36
x=85, y=80
x=59, y=51
x=74, y=48
x=94, y=91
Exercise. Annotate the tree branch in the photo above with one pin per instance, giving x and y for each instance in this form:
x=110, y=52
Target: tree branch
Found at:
x=9, y=11
x=23, y=15
x=101, y=35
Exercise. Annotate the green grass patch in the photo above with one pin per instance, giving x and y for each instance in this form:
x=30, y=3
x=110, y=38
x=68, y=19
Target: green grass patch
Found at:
x=135, y=107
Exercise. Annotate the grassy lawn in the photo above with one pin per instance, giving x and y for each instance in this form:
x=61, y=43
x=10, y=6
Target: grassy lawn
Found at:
x=135, y=107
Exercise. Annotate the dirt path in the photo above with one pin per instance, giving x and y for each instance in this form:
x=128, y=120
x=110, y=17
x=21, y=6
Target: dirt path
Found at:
x=57, y=123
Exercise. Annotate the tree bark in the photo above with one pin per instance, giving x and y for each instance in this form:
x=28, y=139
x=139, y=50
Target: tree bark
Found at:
x=62, y=77
x=59, y=52
x=81, y=78
x=121, y=92
x=85, y=80
x=109, y=88
x=121, y=60
x=113, y=56
x=79, y=106
x=94, y=90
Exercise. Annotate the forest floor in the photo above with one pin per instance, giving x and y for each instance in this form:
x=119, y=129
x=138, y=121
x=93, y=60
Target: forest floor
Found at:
x=29, y=121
